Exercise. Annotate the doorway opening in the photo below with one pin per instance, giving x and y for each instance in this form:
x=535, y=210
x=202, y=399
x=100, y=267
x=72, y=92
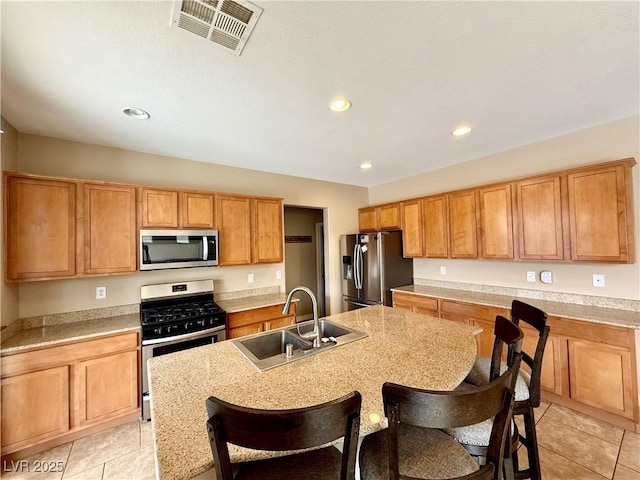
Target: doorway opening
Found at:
x=304, y=253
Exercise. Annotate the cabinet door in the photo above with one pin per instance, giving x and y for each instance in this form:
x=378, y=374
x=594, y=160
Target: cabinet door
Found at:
x=267, y=231
x=234, y=226
x=159, y=208
x=412, y=228
x=486, y=338
x=496, y=222
x=389, y=217
x=367, y=219
x=109, y=228
x=463, y=225
x=40, y=228
x=601, y=376
x=551, y=375
x=35, y=407
x=540, y=229
x=599, y=215
x=197, y=210
x=435, y=227
x=107, y=387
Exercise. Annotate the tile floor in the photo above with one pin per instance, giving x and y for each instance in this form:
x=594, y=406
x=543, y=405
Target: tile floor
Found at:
x=572, y=446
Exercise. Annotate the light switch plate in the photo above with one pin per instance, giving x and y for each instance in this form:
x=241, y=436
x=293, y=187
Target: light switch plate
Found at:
x=598, y=280
x=546, y=276
x=531, y=276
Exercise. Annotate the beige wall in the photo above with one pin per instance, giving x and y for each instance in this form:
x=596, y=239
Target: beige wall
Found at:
x=48, y=156
x=8, y=161
x=612, y=141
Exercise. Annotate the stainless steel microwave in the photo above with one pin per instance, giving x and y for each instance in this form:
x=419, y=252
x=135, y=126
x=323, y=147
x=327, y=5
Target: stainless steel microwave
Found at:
x=160, y=249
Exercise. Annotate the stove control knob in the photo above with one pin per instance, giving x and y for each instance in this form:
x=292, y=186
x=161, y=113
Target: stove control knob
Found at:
x=157, y=331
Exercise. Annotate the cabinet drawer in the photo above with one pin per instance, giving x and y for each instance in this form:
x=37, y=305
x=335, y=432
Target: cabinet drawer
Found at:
x=280, y=322
x=245, y=330
x=247, y=317
x=422, y=303
x=474, y=311
x=68, y=353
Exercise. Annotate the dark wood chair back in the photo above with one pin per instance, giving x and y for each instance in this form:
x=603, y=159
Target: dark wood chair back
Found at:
x=536, y=318
x=438, y=409
x=284, y=430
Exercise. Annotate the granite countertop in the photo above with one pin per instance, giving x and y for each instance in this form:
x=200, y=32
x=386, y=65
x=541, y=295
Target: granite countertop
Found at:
x=44, y=336
x=234, y=305
x=401, y=346
x=587, y=313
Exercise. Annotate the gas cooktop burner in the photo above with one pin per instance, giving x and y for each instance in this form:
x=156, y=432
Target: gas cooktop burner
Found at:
x=167, y=310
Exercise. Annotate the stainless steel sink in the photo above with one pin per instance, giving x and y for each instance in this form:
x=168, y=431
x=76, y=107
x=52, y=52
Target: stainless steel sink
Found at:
x=268, y=350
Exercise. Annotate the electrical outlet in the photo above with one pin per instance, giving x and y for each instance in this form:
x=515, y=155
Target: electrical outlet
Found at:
x=251, y=278
x=531, y=276
x=278, y=274
x=598, y=280
x=101, y=293
x=443, y=270
x=546, y=276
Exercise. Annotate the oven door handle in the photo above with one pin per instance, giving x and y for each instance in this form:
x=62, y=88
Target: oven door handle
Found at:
x=184, y=336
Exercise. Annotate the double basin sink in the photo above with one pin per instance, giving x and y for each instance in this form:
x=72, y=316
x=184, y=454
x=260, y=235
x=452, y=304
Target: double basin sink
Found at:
x=269, y=349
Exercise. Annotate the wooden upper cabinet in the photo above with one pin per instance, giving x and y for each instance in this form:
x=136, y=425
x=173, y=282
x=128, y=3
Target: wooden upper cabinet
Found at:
x=412, y=228
x=463, y=224
x=40, y=216
x=539, y=218
x=267, y=230
x=381, y=217
x=109, y=228
x=600, y=213
x=367, y=219
x=435, y=227
x=234, y=226
x=159, y=208
x=197, y=210
x=389, y=216
x=496, y=221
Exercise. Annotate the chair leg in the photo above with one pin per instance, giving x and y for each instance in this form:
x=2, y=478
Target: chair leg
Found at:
x=530, y=442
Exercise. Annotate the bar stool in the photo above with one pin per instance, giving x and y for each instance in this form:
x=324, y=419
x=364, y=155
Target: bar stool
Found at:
x=281, y=430
x=413, y=446
x=527, y=391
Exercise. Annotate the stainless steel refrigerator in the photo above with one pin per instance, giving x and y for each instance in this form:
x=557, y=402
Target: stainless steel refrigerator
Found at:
x=372, y=264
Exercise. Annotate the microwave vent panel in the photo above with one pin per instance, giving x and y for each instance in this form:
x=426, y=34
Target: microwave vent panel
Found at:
x=227, y=23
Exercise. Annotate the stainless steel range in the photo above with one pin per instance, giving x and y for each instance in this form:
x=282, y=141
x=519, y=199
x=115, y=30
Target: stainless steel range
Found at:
x=175, y=317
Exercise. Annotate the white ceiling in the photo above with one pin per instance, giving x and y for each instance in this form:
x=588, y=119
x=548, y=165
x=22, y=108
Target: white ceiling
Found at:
x=518, y=72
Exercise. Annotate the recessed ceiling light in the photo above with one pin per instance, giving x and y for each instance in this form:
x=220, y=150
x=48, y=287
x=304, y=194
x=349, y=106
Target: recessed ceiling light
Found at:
x=135, y=112
x=460, y=131
x=339, y=104
x=366, y=165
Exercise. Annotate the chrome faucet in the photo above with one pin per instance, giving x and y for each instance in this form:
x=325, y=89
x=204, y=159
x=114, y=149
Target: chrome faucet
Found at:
x=315, y=334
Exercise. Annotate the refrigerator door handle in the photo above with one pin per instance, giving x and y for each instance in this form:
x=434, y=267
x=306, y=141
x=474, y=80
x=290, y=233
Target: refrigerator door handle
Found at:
x=360, y=267
x=360, y=304
x=356, y=275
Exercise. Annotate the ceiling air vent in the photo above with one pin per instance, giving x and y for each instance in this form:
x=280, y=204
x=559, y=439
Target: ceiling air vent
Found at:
x=225, y=22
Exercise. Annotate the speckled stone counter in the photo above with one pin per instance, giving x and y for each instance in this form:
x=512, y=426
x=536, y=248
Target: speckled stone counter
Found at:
x=38, y=337
x=587, y=313
x=401, y=347
x=234, y=305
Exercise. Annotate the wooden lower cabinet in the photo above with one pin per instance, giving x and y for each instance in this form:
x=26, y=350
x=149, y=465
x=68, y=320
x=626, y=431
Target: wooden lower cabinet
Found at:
x=259, y=320
x=35, y=407
x=106, y=387
x=589, y=367
x=56, y=394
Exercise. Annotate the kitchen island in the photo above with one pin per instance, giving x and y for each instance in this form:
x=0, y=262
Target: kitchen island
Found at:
x=403, y=347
